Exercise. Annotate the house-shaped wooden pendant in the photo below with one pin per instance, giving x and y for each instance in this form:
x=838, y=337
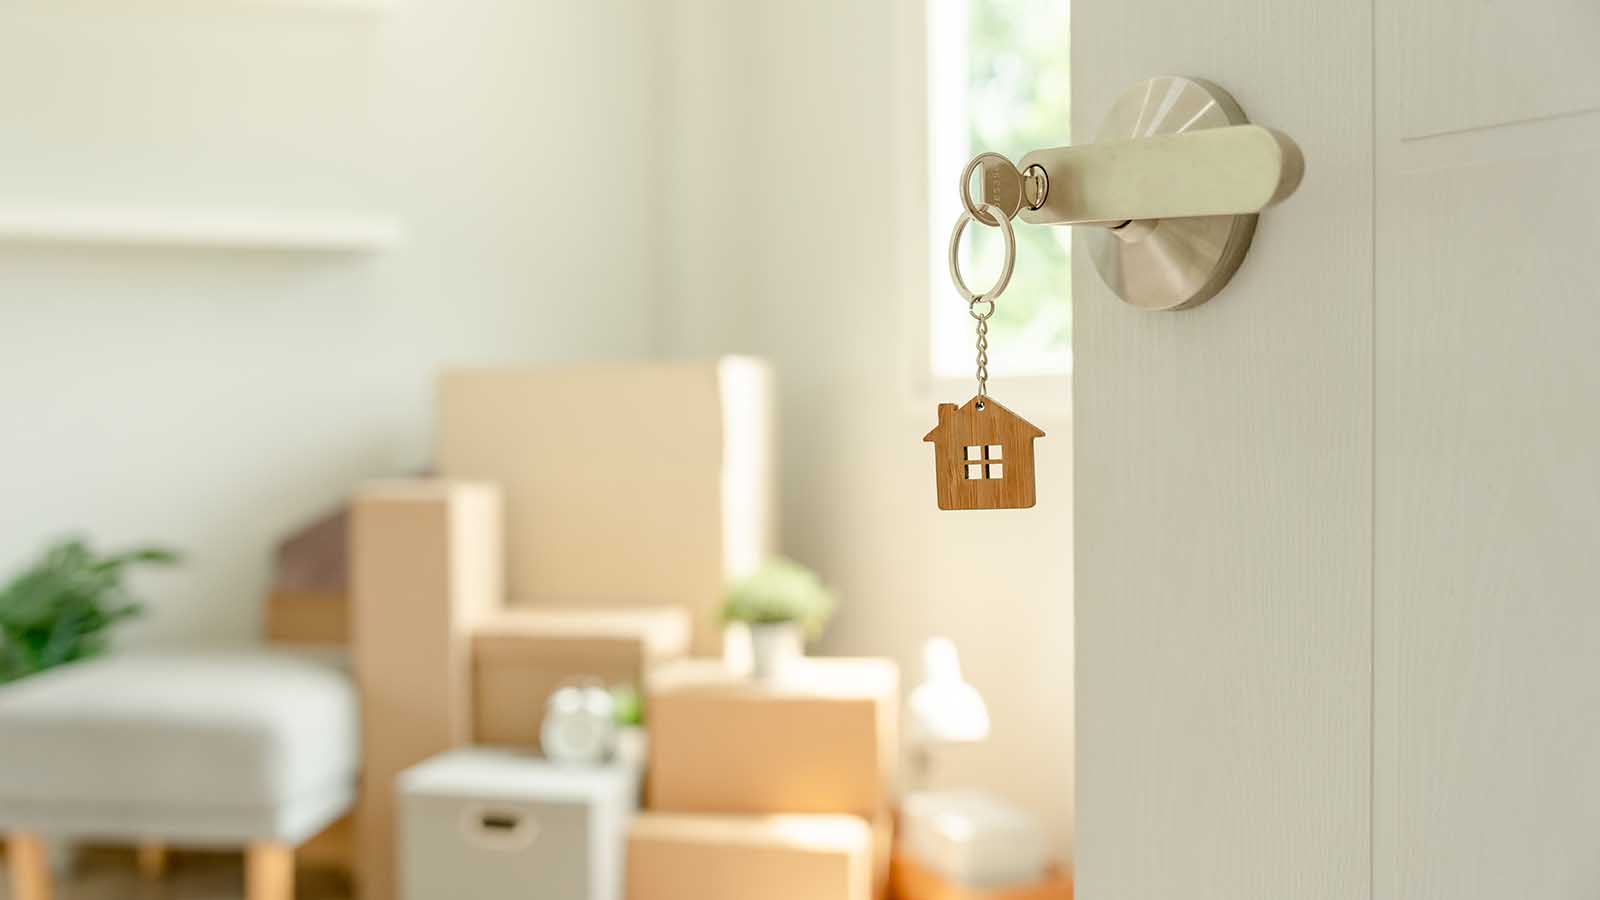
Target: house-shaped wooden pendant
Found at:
x=983, y=456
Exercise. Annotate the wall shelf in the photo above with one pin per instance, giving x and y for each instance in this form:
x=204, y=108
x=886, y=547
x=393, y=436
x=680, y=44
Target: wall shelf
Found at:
x=365, y=7
x=323, y=233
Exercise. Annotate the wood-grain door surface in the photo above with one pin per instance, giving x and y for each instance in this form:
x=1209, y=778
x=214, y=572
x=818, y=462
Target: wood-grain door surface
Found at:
x=1338, y=530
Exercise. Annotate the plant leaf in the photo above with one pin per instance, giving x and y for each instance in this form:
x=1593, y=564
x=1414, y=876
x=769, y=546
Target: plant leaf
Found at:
x=61, y=608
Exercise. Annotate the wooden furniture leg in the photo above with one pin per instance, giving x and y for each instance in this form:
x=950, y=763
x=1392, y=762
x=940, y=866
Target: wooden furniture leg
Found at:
x=269, y=871
x=152, y=860
x=29, y=865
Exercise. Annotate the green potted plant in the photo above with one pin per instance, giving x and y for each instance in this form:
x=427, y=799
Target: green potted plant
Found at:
x=60, y=609
x=783, y=604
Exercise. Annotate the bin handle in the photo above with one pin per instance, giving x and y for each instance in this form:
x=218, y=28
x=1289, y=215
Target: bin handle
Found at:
x=498, y=827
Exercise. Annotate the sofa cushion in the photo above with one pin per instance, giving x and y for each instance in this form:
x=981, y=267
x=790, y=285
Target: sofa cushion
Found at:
x=219, y=736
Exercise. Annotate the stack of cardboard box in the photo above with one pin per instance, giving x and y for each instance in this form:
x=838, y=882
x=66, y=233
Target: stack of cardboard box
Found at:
x=584, y=524
x=779, y=790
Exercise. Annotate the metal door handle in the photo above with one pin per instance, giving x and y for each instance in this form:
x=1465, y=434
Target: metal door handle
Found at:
x=1236, y=170
x=1177, y=177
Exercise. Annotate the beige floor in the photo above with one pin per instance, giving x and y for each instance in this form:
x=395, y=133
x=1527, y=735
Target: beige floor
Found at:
x=110, y=875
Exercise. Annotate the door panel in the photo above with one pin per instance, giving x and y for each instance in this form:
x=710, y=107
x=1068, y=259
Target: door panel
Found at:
x=1487, y=585
x=1478, y=64
x=1339, y=528
x=1223, y=485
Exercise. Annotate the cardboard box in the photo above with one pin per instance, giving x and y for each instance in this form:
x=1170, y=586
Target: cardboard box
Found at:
x=521, y=656
x=308, y=617
x=823, y=741
x=625, y=485
x=426, y=565
x=700, y=857
x=910, y=880
x=309, y=602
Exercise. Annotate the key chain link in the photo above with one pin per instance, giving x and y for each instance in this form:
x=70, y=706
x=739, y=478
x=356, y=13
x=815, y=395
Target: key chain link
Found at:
x=987, y=297
x=983, y=342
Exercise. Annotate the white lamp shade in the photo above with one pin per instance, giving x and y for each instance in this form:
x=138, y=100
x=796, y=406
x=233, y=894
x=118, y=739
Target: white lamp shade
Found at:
x=944, y=708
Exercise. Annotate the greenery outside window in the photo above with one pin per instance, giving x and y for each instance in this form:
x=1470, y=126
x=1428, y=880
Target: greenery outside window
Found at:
x=997, y=80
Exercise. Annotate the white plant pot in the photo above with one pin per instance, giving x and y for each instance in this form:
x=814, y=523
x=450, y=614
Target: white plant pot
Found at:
x=630, y=748
x=775, y=648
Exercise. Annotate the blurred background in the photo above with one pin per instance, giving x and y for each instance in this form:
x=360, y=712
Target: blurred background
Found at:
x=241, y=241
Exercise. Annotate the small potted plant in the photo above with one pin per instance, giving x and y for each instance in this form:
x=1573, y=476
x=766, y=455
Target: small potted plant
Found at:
x=60, y=610
x=783, y=604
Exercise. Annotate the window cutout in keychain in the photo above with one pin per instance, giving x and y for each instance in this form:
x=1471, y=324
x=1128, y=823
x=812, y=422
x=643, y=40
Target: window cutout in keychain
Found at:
x=971, y=441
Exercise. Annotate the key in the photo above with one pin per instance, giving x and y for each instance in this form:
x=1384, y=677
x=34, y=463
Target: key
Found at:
x=1001, y=184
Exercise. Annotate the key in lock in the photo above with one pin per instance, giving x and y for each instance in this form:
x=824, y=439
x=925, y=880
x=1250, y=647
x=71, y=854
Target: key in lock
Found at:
x=1000, y=183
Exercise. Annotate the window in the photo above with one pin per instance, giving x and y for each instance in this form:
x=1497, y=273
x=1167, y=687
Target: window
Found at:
x=983, y=462
x=997, y=80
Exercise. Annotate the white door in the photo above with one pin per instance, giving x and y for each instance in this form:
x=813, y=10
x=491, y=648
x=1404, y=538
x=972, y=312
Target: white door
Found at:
x=1338, y=529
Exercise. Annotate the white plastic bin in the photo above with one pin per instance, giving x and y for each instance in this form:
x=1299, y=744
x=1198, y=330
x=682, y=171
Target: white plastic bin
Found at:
x=973, y=838
x=483, y=824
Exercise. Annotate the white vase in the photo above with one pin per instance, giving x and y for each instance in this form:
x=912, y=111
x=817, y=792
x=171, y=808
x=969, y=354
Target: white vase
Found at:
x=774, y=649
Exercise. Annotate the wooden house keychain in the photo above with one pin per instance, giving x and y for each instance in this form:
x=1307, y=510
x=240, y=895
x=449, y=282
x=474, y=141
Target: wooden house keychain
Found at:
x=983, y=452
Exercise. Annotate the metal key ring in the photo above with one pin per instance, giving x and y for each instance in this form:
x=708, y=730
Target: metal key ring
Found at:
x=975, y=209
x=1010, y=261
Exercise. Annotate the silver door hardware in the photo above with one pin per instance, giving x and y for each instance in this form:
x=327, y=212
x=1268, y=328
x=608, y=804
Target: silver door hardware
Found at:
x=1174, y=180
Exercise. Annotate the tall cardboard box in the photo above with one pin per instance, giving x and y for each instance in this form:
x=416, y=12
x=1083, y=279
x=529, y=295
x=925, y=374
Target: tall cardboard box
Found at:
x=700, y=857
x=520, y=656
x=425, y=567
x=625, y=484
x=822, y=741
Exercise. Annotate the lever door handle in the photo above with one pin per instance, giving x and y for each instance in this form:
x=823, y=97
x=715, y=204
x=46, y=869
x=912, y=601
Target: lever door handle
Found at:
x=1234, y=170
x=1176, y=176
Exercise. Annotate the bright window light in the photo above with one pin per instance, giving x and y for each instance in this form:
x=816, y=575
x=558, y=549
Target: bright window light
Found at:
x=997, y=80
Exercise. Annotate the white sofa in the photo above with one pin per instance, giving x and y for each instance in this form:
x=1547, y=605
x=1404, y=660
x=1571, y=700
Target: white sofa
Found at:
x=251, y=748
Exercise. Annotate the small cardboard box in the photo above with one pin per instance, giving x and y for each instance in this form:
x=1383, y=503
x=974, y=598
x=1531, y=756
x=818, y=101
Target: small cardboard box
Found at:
x=625, y=484
x=910, y=880
x=821, y=741
x=308, y=617
x=702, y=857
x=310, y=598
x=520, y=656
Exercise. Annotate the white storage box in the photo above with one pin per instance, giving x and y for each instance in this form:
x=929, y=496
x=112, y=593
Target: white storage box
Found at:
x=482, y=824
x=973, y=838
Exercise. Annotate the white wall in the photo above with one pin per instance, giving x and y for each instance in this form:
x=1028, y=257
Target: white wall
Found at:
x=215, y=400
x=800, y=228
